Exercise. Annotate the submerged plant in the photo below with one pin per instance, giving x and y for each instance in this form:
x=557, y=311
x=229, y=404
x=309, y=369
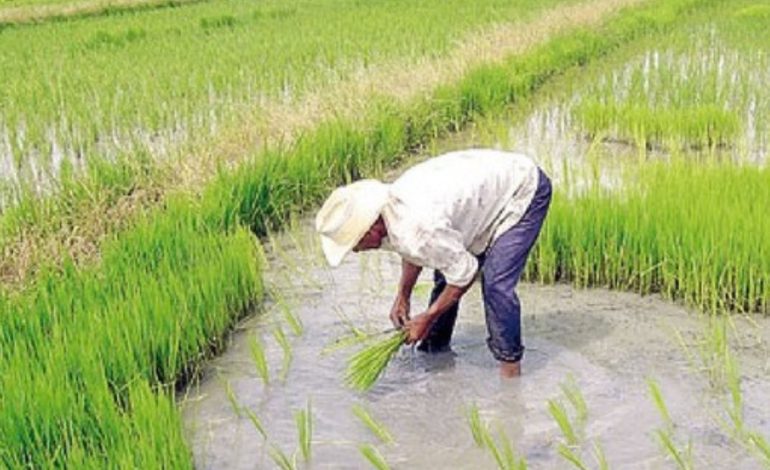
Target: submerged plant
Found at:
x=366, y=366
x=761, y=444
x=304, y=420
x=288, y=314
x=373, y=456
x=259, y=358
x=682, y=458
x=255, y=421
x=478, y=428
x=377, y=428
x=559, y=413
x=575, y=397
x=571, y=457
x=657, y=399
x=503, y=453
x=230, y=394
x=281, y=459
x=283, y=342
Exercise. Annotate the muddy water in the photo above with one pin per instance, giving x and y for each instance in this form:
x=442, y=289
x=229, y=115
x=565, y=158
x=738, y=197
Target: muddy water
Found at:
x=608, y=342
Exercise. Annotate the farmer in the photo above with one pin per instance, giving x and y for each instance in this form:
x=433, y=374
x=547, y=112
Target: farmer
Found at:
x=461, y=213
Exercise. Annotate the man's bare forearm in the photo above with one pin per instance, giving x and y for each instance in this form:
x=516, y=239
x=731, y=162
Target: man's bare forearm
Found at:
x=409, y=274
x=448, y=297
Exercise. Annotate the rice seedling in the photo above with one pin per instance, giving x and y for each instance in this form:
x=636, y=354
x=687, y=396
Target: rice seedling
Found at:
x=373, y=456
x=601, y=458
x=288, y=313
x=283, y=342
x=232, y=399
x=478, y=428
x=375, y=426
x=304, y=421
x=366, y=366
x=559, y=414
x=283, y=461
x=502, y=451
x=255, y=421
x=259, y=357
x=682, y=458
x=665, y=435
x=659, y=402
x=762, y=446
x=573, y=394
x=570, y=456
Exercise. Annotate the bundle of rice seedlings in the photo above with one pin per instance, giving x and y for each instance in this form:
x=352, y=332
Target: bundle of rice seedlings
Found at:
x=366, y=366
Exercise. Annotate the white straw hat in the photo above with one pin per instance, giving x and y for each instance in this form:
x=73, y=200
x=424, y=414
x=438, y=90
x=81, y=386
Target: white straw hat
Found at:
x=347, y=215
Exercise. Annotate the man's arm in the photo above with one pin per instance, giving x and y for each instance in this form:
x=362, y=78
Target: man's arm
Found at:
x=399, y=313
x=419, y=326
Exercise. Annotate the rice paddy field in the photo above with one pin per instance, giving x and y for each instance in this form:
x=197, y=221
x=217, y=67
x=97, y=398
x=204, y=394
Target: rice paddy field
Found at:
x=163, y=301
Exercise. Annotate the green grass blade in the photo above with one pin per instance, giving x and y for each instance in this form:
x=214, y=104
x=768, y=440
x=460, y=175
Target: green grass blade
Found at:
x=373, y=456
x=377, y=428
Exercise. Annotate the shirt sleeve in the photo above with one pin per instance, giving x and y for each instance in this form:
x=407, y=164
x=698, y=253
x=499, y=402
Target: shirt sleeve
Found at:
x=440, y=247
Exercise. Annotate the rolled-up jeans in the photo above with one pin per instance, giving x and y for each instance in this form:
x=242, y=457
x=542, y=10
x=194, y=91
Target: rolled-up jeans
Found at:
x=501, y=266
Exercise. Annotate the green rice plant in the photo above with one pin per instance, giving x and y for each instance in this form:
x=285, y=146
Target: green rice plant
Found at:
x=373, y=456
x=375, y=426
x=259, y=357
x=255, y=421
x=366, y=366
x=304, y=421
x=570, y=456
x=762, y=446
x=283, y=461
x=288, y=314
x=601, y=458
x=478, y=428
x=559, y=414
x=232, y=399
x=707, y=250
x=283, y=342
x=735, y=402
x=503, y=452
x=682, y=458
x=504, y=455
x=660, y=403
x=573, y=394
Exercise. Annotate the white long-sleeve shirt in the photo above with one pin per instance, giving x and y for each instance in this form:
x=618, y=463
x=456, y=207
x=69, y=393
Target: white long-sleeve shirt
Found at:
x=442, y=212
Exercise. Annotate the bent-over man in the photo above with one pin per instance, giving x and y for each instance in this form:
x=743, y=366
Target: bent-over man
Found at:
x=459, y=214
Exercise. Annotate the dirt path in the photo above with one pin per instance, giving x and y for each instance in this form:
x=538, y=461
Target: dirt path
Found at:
x=80, y=234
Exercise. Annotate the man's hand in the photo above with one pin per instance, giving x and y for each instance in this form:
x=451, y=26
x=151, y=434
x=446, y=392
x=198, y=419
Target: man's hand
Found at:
x=399, y=313
x=418, y=327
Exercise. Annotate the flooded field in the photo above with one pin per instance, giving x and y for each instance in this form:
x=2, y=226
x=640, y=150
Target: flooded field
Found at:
x=613, y=349
x=607, y=344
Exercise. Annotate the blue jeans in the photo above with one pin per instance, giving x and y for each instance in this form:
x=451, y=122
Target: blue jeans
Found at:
x=501, y=266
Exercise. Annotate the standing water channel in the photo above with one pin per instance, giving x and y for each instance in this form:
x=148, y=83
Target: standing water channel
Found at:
x=606, y=346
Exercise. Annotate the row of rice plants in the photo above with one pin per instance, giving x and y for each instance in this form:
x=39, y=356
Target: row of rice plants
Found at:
x=695, y=231
x=193, y=70
x=80, y=353
x=22, y=12
x=708, y=92
x=88, y=354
